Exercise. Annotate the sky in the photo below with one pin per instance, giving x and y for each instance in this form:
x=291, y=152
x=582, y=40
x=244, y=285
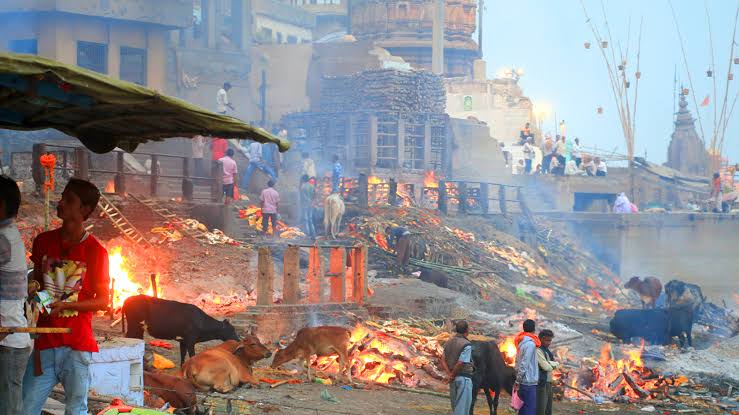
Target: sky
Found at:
x=546, y=38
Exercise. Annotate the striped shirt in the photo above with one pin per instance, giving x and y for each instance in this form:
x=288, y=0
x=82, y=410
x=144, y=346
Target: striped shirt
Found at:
x=13, y=284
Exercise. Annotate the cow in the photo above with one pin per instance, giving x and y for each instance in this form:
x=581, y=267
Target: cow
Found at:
x=178, y=392
x=648, y=290
x=680, y=293
x=333, y=211
x=439, y=278
x=166, y=319
x=655, y=326
x=491, y=373
x=319, y=341
x=225, y=367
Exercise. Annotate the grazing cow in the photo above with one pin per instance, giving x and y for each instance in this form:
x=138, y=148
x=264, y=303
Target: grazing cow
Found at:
x=165, y=319
x=319, y=341
x=648, y=290
x=491, y=373
x=333, y=211
x=225, y=367
x=438, y=278
x=680, y=293
x=179, y=393
x=656, y=326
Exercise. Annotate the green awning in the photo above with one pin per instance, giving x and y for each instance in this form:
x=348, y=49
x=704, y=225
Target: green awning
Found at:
x=104, y=113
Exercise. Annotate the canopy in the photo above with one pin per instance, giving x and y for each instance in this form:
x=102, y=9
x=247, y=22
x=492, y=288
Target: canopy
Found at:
x=103, y=113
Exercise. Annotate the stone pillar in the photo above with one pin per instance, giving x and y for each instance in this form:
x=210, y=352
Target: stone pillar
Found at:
x=427, y=145
x=241, y=18
x=442, y=199
x=37, y=171
x=156, y=59
x=291, y=276
x=484, y=197
x=82, y=163
x=502, y=199
x=265, y=277
x=120, y=177
x=392, y=193
x=363, y=191
x=187, y=184
x=462, y=197
x=154, y=177
x=314, y=276
x=401, y=143
x=372, y=142
x=216, y=189
x=337, y=273
x=208, y=9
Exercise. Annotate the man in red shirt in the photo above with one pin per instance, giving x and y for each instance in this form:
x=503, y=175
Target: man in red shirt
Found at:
x=218, y=148
x=72, y=267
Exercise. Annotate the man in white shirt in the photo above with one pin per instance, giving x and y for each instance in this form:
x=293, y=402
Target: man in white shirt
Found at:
x=198, y=150
x=254, y=154
x=577, y=152
x=14, y=348
x=222, y=101
x=528, y=155
x=600, y=167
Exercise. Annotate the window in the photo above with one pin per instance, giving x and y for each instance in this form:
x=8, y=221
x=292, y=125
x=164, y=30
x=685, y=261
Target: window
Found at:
x=93, y=56
x=23, y=46
x=133, y=65
x=266, y=35
x=279, y=37
x=292, y=40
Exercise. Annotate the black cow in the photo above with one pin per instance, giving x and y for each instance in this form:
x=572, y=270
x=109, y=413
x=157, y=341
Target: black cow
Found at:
x=491, y=373
x=169, y=320
x=655, y=326
x=439, y=278
x=681, y=293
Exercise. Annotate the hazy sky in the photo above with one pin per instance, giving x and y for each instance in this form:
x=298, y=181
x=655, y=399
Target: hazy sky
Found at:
x=546, y=38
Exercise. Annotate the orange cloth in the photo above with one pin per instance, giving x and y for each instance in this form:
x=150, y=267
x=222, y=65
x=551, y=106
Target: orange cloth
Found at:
x=523, y=334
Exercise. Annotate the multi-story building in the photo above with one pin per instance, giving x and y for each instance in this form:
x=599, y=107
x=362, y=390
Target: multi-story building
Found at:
x=126, y=39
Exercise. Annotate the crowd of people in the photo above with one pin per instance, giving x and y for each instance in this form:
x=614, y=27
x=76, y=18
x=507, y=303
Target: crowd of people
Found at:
x=534, y=366
x=560, y=157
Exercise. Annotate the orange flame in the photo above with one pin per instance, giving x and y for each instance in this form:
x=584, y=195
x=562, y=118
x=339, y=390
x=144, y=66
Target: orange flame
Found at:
x=374, y=180
x=430, y=179
x=120, y=280
x=508, y=348
x=110, y=187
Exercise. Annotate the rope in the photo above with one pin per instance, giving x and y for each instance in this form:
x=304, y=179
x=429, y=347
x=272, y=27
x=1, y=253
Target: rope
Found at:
x=48, y=161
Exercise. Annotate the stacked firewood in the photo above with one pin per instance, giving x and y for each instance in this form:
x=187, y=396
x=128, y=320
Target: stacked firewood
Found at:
x=384, y=90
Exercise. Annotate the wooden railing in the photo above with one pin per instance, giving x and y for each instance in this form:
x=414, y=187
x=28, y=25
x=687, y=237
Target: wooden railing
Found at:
x=82, y=167
x=472, y=197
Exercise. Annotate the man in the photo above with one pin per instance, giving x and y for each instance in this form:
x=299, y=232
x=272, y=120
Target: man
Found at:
x=14, y=348
x=601, y=170
x=520, y=167
x=230, y=170
x=336, y=175
x=717, y=193
x=577, y=152
x=309, y=166
x=528, y=155
x=458, y=365
x=254, y=154
x=69, y=254
x=198, y=151
x=524, y=134
x=307, y=196
x=547, y=149
x=527, y=368
x=399, y=239
x=561, y=154
x=545, y=358
x=270, y=204
x=218, y=147
x=506, y=154
x=222, y=101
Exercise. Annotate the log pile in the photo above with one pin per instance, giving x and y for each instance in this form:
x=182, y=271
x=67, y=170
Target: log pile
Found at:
x=384, y=90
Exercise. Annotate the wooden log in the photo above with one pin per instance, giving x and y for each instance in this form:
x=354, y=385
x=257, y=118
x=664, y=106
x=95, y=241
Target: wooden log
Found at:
x=314, y=276
x=265, y=277
x=36, y=330
x=154, y=290
x=337, y=272
x=632, y=383
x=582, y=392
x=291, y=276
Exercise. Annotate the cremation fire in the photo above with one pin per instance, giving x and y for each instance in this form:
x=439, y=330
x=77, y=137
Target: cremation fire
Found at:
x=614, y=379
x=430, y=180
x=109, y=187
x=508, y=348
x=121, y=284
x=376, y=357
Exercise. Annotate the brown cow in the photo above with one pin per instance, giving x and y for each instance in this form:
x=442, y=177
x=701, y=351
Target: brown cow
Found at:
x=319, y=341
x=179, y=393
x=648, y=290
x=226, y=366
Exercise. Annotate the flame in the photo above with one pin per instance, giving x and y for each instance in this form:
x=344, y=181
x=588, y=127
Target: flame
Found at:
x=120, y=280
x=374, y=180
x=508, y=348
x=110, y=187
x=430, y=180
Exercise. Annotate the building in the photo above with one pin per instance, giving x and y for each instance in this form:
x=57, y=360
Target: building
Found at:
x=123, y=39
x=279, y=22
x=404, y=28
x=687, y=152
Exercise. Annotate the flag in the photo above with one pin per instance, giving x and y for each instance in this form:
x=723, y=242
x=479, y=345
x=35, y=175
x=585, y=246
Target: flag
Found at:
x=705, y=101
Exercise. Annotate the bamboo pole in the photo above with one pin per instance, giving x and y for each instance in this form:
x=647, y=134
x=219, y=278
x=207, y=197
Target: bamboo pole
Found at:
x=36, y=330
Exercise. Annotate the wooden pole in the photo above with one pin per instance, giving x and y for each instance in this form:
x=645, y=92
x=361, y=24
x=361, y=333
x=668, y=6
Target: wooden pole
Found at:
x=291, y=276
x=265, y=277
x=154, y=291
x=38, y=330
